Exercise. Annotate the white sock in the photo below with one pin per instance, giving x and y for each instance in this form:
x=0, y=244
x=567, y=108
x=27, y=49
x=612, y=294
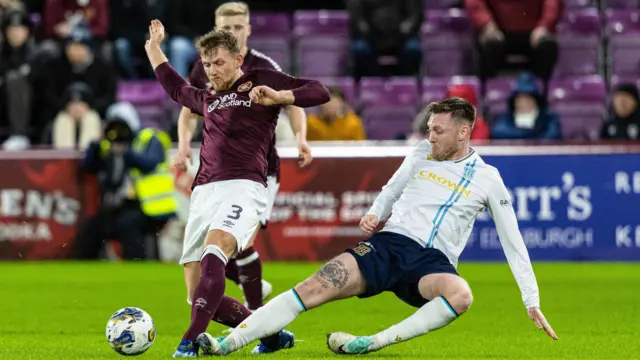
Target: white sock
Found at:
x=267, y=320
x=432, y=316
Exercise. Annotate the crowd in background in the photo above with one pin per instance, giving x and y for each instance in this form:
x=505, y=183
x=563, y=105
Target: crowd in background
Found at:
x=61, y=61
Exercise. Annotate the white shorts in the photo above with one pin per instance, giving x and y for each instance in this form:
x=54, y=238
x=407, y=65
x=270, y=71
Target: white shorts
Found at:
x=233, y=206
x=272, y=191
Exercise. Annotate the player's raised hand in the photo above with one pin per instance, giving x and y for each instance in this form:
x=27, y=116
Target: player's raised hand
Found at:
x=368, y=223
x=265, y=95
x=183, y=155
x=156, y=34
x=541, y=322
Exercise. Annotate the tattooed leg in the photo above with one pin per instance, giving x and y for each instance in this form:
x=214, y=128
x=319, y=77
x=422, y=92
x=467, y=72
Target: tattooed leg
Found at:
x=339, y=278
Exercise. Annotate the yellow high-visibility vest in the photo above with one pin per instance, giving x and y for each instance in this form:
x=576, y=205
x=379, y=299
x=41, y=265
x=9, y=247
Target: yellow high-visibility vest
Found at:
x=155, y=190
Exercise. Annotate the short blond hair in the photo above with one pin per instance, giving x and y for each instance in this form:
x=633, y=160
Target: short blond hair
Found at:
x=208, y=43
x=234, y=8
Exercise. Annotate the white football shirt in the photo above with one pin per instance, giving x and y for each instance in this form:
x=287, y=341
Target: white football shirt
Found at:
x=435, y=203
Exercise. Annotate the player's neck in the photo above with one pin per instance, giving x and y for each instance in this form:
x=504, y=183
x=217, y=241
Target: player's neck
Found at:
x=461, y=154
x=245, y=51
x=239, y=74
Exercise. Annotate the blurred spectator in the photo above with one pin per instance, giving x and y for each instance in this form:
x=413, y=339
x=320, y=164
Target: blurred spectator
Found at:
x=16, y=92
x=385, y=36
x=185, y=22
x=62, y=17
x=79, y=65
x=516, y=27
x=624, y=123
x=480, y=127
x=527, y=115
x=129, y=27
x=78, y=124
x=335, y=121
x=137, y=189
x=9, y=6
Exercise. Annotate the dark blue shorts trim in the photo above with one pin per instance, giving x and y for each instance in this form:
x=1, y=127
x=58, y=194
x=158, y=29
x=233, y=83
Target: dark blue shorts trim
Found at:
x=396, y=263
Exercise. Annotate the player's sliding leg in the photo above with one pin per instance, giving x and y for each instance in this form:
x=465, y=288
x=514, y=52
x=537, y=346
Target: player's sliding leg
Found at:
x=449, y=297
x=232, y=313
x=338, y=279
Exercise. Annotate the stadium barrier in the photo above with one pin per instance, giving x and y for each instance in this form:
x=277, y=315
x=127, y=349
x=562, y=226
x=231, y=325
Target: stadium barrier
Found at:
x=573, y=202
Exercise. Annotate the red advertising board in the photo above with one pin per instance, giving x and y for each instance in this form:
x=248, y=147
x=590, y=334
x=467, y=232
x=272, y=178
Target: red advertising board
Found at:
x=318, y=208
x=41, y=203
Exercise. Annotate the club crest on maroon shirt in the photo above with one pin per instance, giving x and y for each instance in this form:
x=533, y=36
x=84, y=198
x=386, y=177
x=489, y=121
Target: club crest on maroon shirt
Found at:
x=245, y=86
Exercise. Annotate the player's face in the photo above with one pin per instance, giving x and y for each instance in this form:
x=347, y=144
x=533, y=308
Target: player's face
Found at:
x=445, y=135
x=221, y=67
x=238, y=25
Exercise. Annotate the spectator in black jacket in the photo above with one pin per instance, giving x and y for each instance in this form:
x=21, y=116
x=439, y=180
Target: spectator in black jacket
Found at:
x=624, y=123
x=79, y=65
x=186, y=22
x=16, y=62
x=386, y=36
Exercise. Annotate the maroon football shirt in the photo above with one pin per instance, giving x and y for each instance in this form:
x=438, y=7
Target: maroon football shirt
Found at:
x=237, y=133
x=254, y=60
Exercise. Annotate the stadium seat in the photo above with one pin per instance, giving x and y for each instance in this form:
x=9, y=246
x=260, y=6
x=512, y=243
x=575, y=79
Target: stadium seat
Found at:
x=580, y=104
x=620, y=4
x=441, y=4
x=347, y=84
x=579, y=43
x=435, y=88
x=447, y=43
x=270, y=34
x=623, y=30
x=149, y=99
x=577, y=4
x=321, y=42
x=389, y=106
x=617, y=79
x=141, y=92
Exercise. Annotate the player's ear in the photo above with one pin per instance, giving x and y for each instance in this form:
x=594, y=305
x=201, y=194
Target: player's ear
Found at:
x=248, y=30
x=463, y=133
x=239, y=60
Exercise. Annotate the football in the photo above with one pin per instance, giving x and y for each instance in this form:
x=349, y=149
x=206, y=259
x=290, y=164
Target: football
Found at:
x=130, y=331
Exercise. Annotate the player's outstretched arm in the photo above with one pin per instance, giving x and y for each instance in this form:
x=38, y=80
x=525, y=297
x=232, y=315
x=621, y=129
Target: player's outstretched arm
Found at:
x=177, y=88
x=392, y=190
x=283, y=89
x=504, y=217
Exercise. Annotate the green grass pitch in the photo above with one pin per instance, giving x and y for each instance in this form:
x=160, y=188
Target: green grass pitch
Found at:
x=60, y=310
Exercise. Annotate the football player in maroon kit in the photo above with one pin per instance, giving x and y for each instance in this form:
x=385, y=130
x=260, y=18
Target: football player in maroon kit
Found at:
x=229, y=191
x=246, y=269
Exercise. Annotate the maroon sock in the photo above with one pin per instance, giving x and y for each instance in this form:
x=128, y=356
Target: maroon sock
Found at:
x=250, y=271
x=207, y=296
x=232, y=271
x=232, y=313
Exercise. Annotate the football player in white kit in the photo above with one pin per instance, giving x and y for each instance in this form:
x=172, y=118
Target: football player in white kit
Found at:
x=432, y=200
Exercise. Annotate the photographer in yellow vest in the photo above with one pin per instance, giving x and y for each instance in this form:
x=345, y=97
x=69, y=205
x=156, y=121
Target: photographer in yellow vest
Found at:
x=136, y=186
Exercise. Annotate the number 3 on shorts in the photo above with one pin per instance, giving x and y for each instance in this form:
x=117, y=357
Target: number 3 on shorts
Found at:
x=236, y=212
